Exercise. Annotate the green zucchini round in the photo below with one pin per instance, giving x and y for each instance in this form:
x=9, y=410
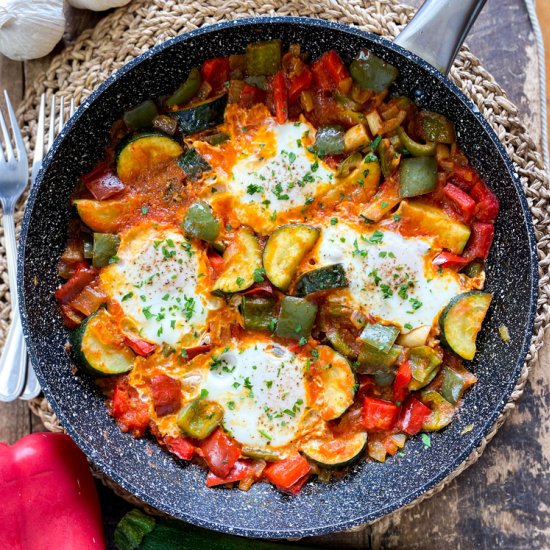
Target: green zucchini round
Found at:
x=94, y=352
x=138, y=152
x=201, y=116
x=336, y=452
x=460, y=322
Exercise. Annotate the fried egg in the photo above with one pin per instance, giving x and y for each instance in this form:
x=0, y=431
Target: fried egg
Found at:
x=390, y=276
x=274, y=176
x=261, y=387
x=157, y=282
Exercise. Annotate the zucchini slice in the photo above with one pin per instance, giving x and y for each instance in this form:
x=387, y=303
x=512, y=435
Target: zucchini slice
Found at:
x=201, y=116
x=103, y=216
x=284, y=251
x=193, y=164
x=140, y=152
x=241, y=258
x=324, y=278
x=99, y=348
x=337, y=382
x=336, y=452
x=461, y=321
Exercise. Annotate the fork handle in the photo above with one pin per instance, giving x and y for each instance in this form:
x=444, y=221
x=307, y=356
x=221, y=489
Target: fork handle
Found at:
x=11, y=253
x=13, y=363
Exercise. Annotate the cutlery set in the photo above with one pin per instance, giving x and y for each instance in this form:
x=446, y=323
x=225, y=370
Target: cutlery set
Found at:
x=17, y=378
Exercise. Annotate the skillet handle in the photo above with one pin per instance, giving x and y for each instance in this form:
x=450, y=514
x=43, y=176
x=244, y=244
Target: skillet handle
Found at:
x=438, y=29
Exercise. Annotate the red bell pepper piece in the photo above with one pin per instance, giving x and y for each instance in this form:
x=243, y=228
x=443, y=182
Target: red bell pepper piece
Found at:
x=299, y=84
x=449, y=260
x=216, y=72
x=464, y=177
x=181, y=446
x=166, y=394
x=71, y=317
x=241, y=470
x=401, y=382
x=197, y=350
x=465, y=204
x=379, y=414
x=286, y=473
x=89, y=300
x=298, y=486
x=130, y=412
x=139, y=346
x=216, y=263
x=251, y=95
x=220, y=452
x=102, y=183
x=413, y=414
x=487, y=206
x=480, y=240
x=280, y=97
x=329, y=70
x=83, y=276
x=259, y=288
x=49, y=498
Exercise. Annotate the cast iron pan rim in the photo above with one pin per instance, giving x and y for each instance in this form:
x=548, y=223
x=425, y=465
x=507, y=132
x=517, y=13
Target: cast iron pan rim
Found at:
x=490, y=421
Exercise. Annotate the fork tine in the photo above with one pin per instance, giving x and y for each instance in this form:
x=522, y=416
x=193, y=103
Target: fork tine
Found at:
x=51, y=134
x=61, y=121
x=39, y=148
x=71, y=111
x=17, y=137
x=7, y=144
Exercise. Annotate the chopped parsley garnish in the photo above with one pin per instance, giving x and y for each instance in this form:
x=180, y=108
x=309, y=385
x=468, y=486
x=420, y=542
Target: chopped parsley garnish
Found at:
x=374, y=144
x=144, y=210
x=266, y=435
x=239, y=281
x=147, y=312
x=333, y=221
x=189, y=307
x=426, y=440
x=259, y=275
x=216, y=362
x=403, y=292
x=114, y=259
x=231, y=405
x=408, y=326
x=269, y=383
x=375, y=276
x=386, y=291
x=309, y=200
x=377, y=237
x=204, y=393
x=396, y=218
x=272, y=324
x=384, y=204
x=357, y=251
x=278, y=192
x=302, y=341
x=253, y=188
x=291, y=157
x=416, y=304
x=127, y=296
x=187, y=248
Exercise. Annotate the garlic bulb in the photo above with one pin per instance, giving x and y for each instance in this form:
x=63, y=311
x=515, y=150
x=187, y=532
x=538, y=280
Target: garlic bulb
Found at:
x=97, y=5
x=30, y=29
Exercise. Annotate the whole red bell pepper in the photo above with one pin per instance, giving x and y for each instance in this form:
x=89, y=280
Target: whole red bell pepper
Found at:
x=49, y=499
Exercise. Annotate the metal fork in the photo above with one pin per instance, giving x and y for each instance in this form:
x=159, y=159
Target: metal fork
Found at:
x=15, y=354
x=14, y=170
x=32, y=386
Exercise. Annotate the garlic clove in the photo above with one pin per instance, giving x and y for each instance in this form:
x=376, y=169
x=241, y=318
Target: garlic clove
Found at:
x=97, y=5
x=30, y=29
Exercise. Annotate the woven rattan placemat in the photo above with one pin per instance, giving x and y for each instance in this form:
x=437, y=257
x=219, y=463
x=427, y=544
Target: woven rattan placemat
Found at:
x=131, y=30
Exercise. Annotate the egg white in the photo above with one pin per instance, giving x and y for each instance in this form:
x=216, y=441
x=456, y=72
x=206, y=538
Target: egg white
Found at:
x=265, y=185
x=261, y=387
x=155, y=282
x=390, y=276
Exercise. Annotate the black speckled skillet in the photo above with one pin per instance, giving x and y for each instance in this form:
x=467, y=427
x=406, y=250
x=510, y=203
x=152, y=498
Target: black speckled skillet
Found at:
x=370, y=490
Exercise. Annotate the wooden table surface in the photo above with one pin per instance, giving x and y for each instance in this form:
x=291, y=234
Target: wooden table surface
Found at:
x=503, y=500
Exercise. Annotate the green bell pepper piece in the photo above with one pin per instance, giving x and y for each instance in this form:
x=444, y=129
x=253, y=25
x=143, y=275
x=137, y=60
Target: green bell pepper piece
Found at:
x=258, y=81
x=384, y=378
x=413, y=147
x=349, y=164
x=296, y=318
x=199, y=418
x=435, y=127
x=424, y=363
x=455, y=383
x=372, y=360
x=141, y=116
x=104, y=248
x=88, y=246
x=200, y=222
x=216, y=139
x=329, y=140
x=442, y=411
x=258, y=313
x=260, y=454
x=417, y=176
x=263, y=58
x=338, y=342
x=474, y=269
x=188, y=90
x=370, y=72
x=381, y=337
